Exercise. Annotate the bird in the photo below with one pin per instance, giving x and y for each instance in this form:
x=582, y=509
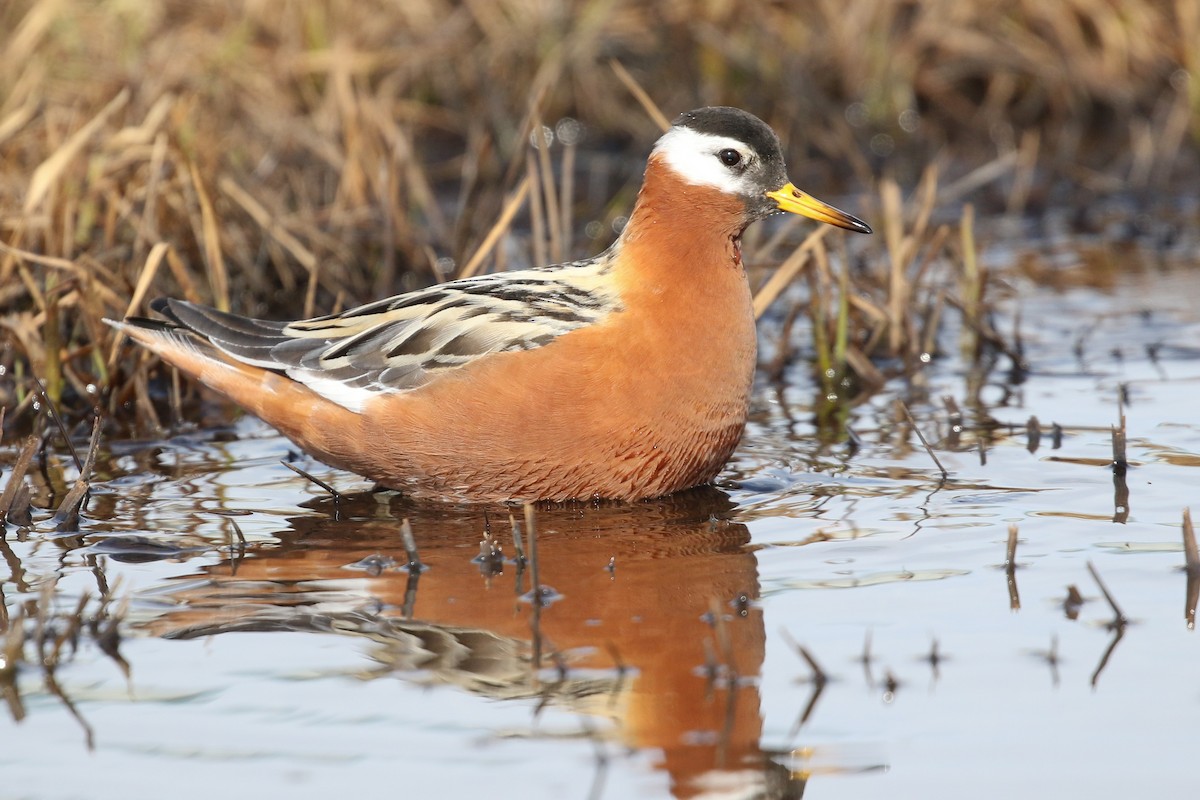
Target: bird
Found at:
x=626, y=376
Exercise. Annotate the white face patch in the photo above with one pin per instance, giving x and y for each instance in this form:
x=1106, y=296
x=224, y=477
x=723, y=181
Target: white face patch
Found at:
x=695, y=157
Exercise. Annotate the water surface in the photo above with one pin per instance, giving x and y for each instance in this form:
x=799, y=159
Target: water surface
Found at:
x=274, y=640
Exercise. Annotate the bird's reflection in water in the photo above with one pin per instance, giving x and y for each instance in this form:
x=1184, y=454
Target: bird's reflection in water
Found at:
x=632, y=636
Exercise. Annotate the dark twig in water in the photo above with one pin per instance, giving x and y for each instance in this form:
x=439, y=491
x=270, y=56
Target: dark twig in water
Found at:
x=819, y=679
x=532, y=549
x=176, y=399
x=935, y=659
x=410, y=548
x=62, y=429
x=1010, y=553
x=337, y=497
x=1120, y=498
x=549, y=689
x=1051, y=658
x=535, y=620
x=954, y=417
x=618, y=662
x=519, y=560
x=1191, y=556
x=924, y=442
x=414, y=567
x=712, y=667
x=1120, y=462
x=1118, y=634
x=601, y=776
x=560, y=665
x=236, y=551
x=518, y=542
x=66, y=518
x=867, y=659
x=491, y=556
x=1010, y=569
x=723, y=639
x=1056, y=436
x=12, y=648
x=53, y=688
x=1033, y=434
x=16, y=475
x=819, y=676
x=1120, y=466
x=1119, y=618
x=732, y=678
x=1073, y=602
x=237, y=531
x=69, y=632
x=853, y=442
x=1191, y=565
x=410, y=593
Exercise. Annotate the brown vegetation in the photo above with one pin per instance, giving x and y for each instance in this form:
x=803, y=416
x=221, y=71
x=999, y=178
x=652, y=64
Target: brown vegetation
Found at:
x=292, y=157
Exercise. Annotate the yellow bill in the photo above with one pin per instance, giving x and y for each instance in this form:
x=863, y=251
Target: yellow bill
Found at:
x=795, y=201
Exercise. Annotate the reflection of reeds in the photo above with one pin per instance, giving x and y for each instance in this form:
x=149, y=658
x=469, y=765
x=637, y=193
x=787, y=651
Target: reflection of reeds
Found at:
x=339, y=151
x=38, y=636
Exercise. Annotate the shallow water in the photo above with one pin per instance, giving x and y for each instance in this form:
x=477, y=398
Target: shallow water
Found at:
x=274, y=640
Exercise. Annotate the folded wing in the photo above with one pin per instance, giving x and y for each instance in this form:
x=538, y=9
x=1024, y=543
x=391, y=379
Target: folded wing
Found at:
x=403, y=342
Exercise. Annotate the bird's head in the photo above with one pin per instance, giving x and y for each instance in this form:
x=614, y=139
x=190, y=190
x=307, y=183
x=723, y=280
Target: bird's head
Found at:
x=738, y=154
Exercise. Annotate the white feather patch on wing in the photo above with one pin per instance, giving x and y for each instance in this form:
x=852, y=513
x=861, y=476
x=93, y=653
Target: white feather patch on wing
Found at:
x=693, y=156
x=351, y=398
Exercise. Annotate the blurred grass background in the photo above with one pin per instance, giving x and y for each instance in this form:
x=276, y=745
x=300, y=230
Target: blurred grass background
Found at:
x=296, y=157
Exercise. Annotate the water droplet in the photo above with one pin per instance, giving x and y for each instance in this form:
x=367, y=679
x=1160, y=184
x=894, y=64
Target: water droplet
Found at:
x=569, y=130
x=909, y=120
x=882, y=144
x=593, y=229
x=926, y=358
x=618, y=224
x=547, y=137
x=856, y=114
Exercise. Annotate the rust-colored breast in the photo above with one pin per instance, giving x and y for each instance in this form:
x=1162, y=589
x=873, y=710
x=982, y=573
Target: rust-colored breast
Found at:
x=650, y=401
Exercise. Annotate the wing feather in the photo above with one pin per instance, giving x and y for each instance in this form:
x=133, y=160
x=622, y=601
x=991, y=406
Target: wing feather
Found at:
x=400, y=343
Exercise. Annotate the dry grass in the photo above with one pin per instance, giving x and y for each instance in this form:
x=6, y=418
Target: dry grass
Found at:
x=292, y=157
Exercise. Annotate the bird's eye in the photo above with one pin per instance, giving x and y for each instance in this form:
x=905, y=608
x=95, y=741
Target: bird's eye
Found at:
x=730, y=157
